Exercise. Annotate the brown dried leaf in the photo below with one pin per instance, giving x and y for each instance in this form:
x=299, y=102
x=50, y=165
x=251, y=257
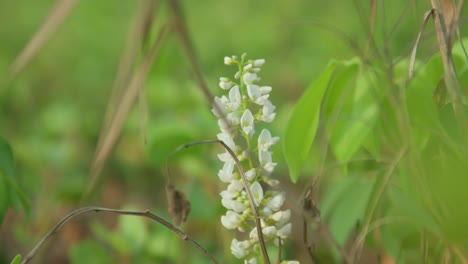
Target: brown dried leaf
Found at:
x=178, y=205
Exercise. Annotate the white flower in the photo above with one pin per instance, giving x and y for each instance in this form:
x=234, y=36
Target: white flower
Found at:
x=249, y=78
x=238, y=206
x=277, y=201
x=231, y=220
x=233, y=118
x=255, y=94
x=234, y=99
x=269, y=231
x=251, y=261
x=268, y=112
x=228, y=60
x=265, y=141
x=253, y=234
x=239, y=248
x=247, y=122
x=265, y=161
x=235, y=186
x=227, y=139
x=285, y=231
x=258, y=63
x=257, y=192
x=225, y=83
x=265, y=89
x=225, y=157
x=250, y=174
x=247, y=67
x=228, y=195
x=226, y=173
x=281, y=217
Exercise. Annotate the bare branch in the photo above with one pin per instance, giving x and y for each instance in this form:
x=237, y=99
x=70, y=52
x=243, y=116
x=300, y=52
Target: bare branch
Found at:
x=145, y=213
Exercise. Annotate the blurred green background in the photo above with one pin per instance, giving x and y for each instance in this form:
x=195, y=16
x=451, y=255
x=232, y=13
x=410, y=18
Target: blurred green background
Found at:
x=52, y=113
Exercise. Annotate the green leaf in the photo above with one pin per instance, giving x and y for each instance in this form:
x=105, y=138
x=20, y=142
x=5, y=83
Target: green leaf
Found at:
x=344, y=204
x=3, y=196
x=422, y=107
x=353, y=125
x=91, y=252
x=10, y=192
x=303, y=122
x=16, y=260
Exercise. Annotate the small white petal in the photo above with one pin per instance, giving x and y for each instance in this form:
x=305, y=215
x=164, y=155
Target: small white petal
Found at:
x=259, y=62
x=255, y=94
x=237, y=75
x=265, y=89
x=247, y=67
x=227, y=60
x=249, y=78
x=225, y=157
x=257, y=192
x=253, y=234
x=235, y=186
x=247, y=122
x=268, y=112
x=238, y=206
x=276, y=202
x=265, y=141
x=225, y=174
x=250, y=174
x=227, y=139
x=285, y=231
x=251, y=261
x=238, y=248
x=231, y=220
x=269, y=231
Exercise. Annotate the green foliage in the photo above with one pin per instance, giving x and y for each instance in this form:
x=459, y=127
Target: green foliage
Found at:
x=10, y=192
x=303, y=123
x=16, y=260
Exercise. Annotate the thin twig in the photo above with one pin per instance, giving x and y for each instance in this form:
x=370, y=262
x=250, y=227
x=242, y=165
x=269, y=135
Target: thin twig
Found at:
x=145, y=213
x=246, y=186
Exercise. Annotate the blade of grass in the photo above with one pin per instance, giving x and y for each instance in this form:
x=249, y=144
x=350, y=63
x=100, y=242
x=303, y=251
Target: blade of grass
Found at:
x=57, y=15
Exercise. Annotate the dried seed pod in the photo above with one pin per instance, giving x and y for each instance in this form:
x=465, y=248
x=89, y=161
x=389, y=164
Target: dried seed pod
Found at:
x=178, y=205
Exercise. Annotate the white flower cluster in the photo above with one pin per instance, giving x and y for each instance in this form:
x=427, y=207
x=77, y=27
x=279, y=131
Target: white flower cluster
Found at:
x=245, y=106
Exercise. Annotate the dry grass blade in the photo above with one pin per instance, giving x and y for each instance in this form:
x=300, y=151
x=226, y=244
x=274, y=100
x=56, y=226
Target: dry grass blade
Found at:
x=137, y=33
x=427, y=15
x=107, y=140
x=450, y=76
x=56, y=17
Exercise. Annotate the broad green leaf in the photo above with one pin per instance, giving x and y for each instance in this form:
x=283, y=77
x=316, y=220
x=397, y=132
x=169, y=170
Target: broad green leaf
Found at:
x=422, y=107
x=351, y=128
x=410, y=207
x=16, y=260
x=344, y=204
x=303, y=122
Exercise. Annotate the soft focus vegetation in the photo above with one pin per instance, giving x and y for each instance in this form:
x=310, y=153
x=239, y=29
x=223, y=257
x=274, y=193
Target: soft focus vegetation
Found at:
x=382, y=156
